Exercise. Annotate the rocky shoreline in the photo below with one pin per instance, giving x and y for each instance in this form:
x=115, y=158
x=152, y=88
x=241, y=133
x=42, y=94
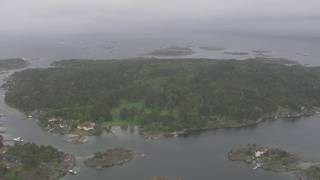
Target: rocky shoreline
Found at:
x=109, y=158
x=76, y=136
x=29, y=161
x=220, y=123
x=275, y=160
x=76, y=139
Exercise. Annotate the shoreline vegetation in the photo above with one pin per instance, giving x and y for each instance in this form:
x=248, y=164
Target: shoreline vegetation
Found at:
x=29, y=161
x=109, y=158
x=167, y=97
x=275, y=160
x=14, y=63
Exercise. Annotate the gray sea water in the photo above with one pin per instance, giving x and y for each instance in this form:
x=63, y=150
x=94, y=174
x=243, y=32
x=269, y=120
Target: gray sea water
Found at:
x=46, y=48
x=201, y=156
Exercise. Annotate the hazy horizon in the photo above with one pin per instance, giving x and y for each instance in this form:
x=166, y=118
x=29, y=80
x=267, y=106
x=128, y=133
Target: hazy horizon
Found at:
x=294, y=17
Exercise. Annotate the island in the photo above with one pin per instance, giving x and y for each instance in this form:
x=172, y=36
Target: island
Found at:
x=166, y=178
x=29, y=161
x=235, y=53
x=171, y=51
x=14, y=63
x=112, y=157
x=276, y=160
x=163, y=96
x=211, y=48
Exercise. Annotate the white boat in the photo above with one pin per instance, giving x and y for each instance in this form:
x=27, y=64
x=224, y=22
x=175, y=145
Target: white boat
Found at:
x=73, y=172
x=29, y=116
x=143, y=155
x=18, y=139
x=61, y=126
x=258, y=165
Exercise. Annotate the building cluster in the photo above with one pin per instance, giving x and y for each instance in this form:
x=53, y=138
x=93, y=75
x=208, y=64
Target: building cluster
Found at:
x=257, y=156
x=56, y=123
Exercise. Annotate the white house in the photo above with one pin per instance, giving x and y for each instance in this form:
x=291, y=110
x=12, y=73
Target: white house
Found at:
x=87, y=126
x=259, y=153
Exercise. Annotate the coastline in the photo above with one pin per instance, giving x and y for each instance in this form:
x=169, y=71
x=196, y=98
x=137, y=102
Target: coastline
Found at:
x=75, y=136
x=50, y=164
x=109, y=158
x=275, y=160
x=231, y=125
x=154, y=112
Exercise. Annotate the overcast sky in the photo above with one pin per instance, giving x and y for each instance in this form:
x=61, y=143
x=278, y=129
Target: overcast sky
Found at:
x=90, y=15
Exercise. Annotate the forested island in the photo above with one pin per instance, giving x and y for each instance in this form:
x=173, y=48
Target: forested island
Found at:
x=166, y=178
x=109, y=158
x=171, y=51
x=236, y=53
x=29, y=161
x=276, y=160
x=164, y=95
x=14, y=63
x=211, y=48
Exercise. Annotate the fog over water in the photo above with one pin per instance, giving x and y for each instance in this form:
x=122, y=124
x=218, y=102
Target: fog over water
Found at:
x=62, y=29
x=61, y=16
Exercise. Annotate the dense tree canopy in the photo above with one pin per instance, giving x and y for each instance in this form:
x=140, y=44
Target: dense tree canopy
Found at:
x=30, y=161
x=16, y=63
x=31, y=155
x=165, y=94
